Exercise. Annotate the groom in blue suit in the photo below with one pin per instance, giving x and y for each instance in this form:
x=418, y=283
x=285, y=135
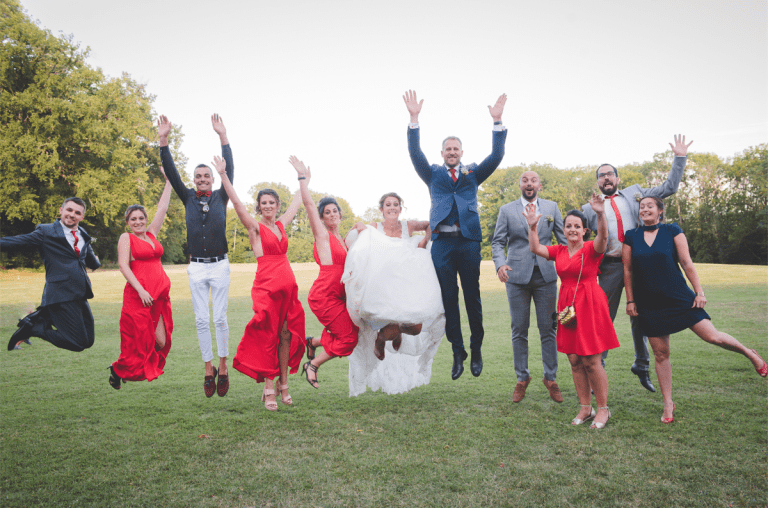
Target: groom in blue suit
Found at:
x=455, y=227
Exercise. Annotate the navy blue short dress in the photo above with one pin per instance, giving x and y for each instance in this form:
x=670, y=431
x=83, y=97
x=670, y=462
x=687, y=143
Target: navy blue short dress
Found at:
x=663, y=299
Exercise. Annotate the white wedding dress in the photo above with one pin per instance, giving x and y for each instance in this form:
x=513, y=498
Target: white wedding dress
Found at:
x=390, y=280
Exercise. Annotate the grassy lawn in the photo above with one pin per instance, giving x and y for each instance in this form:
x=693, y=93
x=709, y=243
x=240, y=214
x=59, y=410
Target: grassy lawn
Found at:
x=69, y=439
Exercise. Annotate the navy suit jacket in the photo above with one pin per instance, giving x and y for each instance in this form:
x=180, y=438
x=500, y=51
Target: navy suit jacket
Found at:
x=65, y=276
x=444, y=192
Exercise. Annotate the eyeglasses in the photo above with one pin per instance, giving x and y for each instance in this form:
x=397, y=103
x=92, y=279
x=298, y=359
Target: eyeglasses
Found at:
x=603, y=175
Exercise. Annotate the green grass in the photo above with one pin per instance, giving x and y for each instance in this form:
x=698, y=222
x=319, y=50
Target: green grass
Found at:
x=68, y=439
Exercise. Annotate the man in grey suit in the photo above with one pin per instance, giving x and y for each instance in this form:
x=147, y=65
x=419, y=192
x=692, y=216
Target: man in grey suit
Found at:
x=529, y=276
x=622, y=215
x=64, y=317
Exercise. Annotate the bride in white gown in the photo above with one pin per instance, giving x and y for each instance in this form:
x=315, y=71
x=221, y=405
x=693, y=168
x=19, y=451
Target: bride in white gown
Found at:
x=394, y=297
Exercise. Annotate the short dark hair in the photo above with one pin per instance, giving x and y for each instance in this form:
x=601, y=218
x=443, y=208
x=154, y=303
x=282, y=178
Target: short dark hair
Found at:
x=450, y=138
x=659, y=205
x=201, y=166
x=579, y=214
x=75, y=200
x=133, y=208
x=615, y=171
x=390, y=195
x=271, y=193
x=327, y=200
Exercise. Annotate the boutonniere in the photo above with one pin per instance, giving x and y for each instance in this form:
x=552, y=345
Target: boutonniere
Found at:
x=465, y=171
x=638, y=197
x=550, y=219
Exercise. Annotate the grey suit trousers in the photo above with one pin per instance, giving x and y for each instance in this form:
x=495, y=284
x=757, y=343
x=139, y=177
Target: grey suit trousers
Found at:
x=544, y=296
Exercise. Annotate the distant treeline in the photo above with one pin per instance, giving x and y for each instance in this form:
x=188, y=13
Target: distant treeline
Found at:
x=66, y=129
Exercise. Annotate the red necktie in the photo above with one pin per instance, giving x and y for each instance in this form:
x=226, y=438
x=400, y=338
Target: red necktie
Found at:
x=453, y=174
x=77, y=251
x=202, y=193
x=619, y=224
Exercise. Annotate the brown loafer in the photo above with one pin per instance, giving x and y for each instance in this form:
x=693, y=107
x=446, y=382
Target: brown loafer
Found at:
x=222, y=386
x=520, y=388
x=554, y=390
x=209, y=385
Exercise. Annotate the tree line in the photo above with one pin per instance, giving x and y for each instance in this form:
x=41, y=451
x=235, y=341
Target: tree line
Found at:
x=66, y=129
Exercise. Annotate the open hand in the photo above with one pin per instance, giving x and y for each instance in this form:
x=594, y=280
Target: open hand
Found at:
x=301, y=169
x=218, y=124
x=532, y=218
x=597, y=203
x=220, y=164
x=498, y=108
x=413, y=105
x=502, y=273
x=680, y=148
x=163, y=126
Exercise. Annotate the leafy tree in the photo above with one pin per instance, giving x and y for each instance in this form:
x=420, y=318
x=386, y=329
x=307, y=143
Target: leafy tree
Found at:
x=68, y=130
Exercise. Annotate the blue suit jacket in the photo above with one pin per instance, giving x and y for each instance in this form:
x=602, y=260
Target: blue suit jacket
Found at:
x=65, y=276
x=444, y=192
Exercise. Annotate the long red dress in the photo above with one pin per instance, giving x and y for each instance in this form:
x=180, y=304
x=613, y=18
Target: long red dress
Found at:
x=275, y=300
x=594, y=331
x=139, y=360
x=328, y=301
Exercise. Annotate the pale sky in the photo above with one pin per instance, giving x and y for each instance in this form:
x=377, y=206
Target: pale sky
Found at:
x=588, y=81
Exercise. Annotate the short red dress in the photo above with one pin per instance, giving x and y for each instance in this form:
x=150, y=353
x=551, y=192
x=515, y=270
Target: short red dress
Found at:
x=139, y=360
x=275, y=297
x=328, y=301
x=594, y=331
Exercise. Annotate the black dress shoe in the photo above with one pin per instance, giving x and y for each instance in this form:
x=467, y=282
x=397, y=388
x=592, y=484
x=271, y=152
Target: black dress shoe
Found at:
x=458, y=364
x=645, y=379
x=23, y=333
x=476, y=364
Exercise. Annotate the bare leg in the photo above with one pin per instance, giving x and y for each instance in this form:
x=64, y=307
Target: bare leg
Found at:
x=268, y=396
x=160, y=334
x=283, y=354
x=660, y=347
x=581, y=383
x=598, y=380
x=389, y=332
x=223, y=366
x=407, y=329
x=706, y=330
x=320, y=358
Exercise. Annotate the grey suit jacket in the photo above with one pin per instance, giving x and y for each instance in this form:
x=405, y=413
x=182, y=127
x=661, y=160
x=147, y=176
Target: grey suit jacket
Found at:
x=65, y=276
x=512, y=233
x=667, y=188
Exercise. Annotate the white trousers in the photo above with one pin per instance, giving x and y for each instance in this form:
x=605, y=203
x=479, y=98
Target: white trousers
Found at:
x=213, y=278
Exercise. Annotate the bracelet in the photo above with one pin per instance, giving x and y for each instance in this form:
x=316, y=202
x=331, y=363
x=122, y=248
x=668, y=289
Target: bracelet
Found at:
x=630, y=301
x=302, y=178
x=497, y=123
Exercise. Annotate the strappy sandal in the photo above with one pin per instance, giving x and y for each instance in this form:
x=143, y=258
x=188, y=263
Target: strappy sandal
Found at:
x=590, y=416
x=310, y=349
x=669, y=420
x=305, y=370
x=209, y=384
x=598, y=425
x=288, y=401
x=762, y=371
x=269, y=404
x=114, y=379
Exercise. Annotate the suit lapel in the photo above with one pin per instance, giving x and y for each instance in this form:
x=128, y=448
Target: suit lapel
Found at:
x=58, y=233
x=517, y=210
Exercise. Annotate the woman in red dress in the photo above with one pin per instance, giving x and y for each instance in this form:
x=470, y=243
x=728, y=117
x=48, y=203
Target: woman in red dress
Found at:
x=145, y=321
x=273, y=341
x=577, y=266
x=327, y=298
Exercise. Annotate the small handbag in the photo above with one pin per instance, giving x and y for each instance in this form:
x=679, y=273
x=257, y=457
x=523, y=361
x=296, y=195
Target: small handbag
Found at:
x=567, y=316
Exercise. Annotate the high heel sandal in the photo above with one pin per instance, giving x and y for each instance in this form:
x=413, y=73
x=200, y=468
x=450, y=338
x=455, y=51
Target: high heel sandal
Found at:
x=114, y=379
x=762, y=371
x=598, y=425
x=288, y=401
x=590, y=416
x=310, y=349
x=305, y=370
x=269, y=404
x=669, y=420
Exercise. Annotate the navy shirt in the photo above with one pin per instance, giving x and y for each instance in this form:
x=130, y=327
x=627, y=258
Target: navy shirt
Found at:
x=206, y=231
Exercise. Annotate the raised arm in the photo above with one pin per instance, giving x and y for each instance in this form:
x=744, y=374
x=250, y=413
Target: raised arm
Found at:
x=413, y=105
x=242, y=213
x=626, y=259
x=489, y=165
x=162, y=209
x=684, y=256
x=169, y=168
x=318, y=230
x=672, y=183
x=124, y=262
x=598, y=206
x=533, y=234
x=290, y=212
x=218, y=126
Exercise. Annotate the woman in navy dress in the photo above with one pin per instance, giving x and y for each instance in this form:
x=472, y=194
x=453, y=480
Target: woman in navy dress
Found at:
x=658, y=295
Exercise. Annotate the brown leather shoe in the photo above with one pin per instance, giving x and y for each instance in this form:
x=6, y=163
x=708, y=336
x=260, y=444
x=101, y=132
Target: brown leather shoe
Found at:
x=222, y=385
x=554, y=390
x=520, y=388
x=209, y=384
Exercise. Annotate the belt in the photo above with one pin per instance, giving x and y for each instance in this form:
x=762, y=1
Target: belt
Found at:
x=208, y=260
x=611, y=259
x=448, y=234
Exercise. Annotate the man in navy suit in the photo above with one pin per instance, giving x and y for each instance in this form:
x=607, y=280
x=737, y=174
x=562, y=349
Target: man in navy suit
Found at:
x=64, y=317
x=455, y=227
